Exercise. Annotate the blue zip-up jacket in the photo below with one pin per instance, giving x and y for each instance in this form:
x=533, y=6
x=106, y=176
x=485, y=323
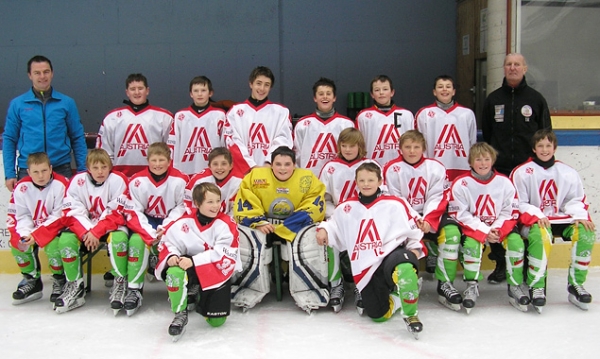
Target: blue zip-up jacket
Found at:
x=54, y=128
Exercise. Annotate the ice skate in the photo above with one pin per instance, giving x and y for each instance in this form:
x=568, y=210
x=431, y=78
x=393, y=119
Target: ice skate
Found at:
x=337, y=297
x=430, y=263
x=470, y=295
x=177, y=327
x=109, y=279
x=117, y=294
x=72, y=297
x=413, y=325
x=133, y=301
x=58, y=286
x=28, y=290
x=448, y=296
x=580, y=297
x=192, y=297
x=499, y=274
x=152, y=262
x=358, y=301
x=517, y=298
x=538, y=298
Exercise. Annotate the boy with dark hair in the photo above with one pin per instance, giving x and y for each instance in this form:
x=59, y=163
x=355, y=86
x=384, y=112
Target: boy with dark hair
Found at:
x=449, y=128
x=34, y=221
x=383, y=241
x=197, y=129
x=155, y=200
x=126, y=132
x=257, y=126
x=384, y=122
x=551, y=202
x=315, y=135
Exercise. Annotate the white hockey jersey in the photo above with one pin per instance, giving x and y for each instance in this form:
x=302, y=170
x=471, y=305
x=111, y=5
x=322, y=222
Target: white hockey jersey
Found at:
x=214, y=248
x=383, y=130
x=370, y=233
x=449, y=135
x=193, y=136
x=252, y=133
x=315, y=140
x=126, y=136
x=148, y=198
x=35, y=210
x=555, y=193
x=482, y=206
x=339, y=178
x=424, y=185
x=98, y=209
x=229, y=187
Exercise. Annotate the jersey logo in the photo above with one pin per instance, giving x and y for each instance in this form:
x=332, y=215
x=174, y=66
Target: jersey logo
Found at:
x=348, y=190
x=156, y=207
x=198, y=143
x=485, y=209
x=388, y=140
x=431, y=113
x=258, y=138
x=240, y=112
x=548, y=192
x=185, y=228
x=23, y=189
x=368, y=239
x=134, y=139
x=40, y=213
x=449, y=139
x=396, y=168
x=347, y=208
x=417, y=187
x=97, y=207
x=529, y=170
x=325, y=148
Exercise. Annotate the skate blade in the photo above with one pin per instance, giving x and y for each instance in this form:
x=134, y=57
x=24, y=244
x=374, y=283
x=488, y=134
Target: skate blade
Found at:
x=116, y=311
x=150, y=278
x=131, y=312
x=578, y=304
x=175, y=338
x=538, y=309
x=78, y=303
x=468, y=310
x=360, y=310
x=445, y=303
x=28, y=299
x=514, y=303
x=338, y=307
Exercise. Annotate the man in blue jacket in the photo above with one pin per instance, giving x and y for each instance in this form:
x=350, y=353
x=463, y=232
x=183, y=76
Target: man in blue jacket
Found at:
x=42, y=120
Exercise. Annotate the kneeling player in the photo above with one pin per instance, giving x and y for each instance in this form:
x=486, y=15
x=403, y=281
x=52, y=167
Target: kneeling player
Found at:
x=200, y=248
x=383, y=241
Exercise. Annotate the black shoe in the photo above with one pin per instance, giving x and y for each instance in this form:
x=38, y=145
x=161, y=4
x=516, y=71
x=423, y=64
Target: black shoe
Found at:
x=499, y=274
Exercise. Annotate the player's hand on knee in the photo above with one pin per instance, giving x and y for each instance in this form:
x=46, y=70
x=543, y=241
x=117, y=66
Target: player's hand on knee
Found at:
x=322, y=237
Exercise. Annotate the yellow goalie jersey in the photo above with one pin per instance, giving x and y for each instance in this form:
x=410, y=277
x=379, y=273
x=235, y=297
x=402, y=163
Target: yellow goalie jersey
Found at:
x=293, y=204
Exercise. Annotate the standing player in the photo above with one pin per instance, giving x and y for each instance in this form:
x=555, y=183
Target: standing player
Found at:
x=552, y=201
x=257, y=126
x=200, y=249
x=93, y=211
x=34, y=220
x=384, y=122
x=485, y=205
x=382, y=235
x=338, y=176
x=449, y=128
x=126, y=132
x=155, y=200
x=315, y=135
x=197, y=129
x=219, y=172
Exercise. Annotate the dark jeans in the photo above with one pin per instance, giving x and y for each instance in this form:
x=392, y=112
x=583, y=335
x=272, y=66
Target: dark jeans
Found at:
x=64, y=170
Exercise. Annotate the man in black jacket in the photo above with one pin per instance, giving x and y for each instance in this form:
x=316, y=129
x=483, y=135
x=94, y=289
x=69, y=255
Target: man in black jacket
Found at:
x=511, y=115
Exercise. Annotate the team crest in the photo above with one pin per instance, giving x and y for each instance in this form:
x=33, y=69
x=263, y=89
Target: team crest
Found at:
x=23, y=189
x=181, y=117
x=430, y=114
x=305, y=183
x=347, y=208
x=240, y=112
x=185, y=228
x=330, y=170
x=137, y=183
x=368, y=115
x=529, y=170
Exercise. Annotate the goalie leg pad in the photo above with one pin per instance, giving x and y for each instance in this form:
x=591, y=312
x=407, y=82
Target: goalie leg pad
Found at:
x=308, y=270
x=254, y=282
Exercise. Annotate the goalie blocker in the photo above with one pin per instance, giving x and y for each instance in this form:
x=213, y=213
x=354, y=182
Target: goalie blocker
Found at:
x=308, y=280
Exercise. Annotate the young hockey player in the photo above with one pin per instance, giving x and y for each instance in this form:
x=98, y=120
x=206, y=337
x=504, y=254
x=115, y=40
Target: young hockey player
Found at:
x=219, y=172
x=155, y=200
x=423, y=183
x=281, y=202
x=383, y=240
x=200, y=249
x=551, y=202
x=257, y=126
x=197, y=129
x=93, y=211
x=338, y=176
x=126, y=132
x=34, y=220
x=315, y=135
x=485, y=205
x=384, y=122
x=449, y=128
